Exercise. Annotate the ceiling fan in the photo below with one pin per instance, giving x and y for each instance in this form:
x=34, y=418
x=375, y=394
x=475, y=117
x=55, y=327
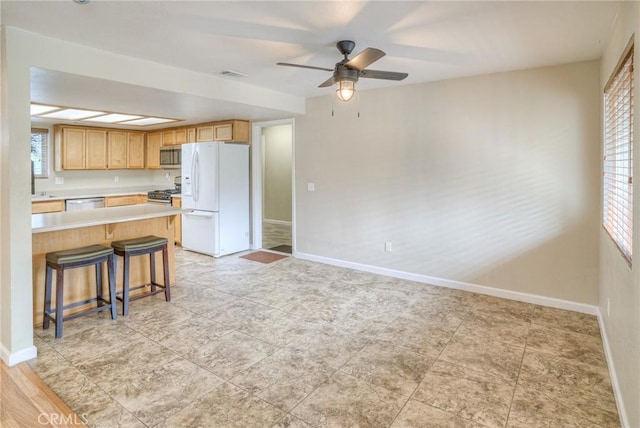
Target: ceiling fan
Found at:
x=347, y=72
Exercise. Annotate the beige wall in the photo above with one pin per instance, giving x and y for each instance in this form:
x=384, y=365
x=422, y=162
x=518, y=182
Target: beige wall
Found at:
x=491, y=180
x=277, y=173
x=619, y=285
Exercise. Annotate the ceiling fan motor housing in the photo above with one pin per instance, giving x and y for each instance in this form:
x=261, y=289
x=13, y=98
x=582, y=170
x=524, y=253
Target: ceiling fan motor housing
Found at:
x=344, y=73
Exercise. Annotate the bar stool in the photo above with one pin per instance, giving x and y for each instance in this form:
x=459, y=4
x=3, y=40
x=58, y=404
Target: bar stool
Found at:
x=136, y=247
x=75, y=258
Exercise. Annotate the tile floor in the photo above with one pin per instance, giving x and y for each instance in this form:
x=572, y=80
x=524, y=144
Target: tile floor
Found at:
x=274, y=235
x=300, y=344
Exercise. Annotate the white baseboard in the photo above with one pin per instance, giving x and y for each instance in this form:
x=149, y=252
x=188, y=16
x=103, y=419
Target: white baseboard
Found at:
x=272, y=221
x=624, y=419
x=17, y=357
x=458, y=285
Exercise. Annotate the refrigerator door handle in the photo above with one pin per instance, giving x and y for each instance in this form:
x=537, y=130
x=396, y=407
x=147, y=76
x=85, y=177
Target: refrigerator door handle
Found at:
x=194, y=176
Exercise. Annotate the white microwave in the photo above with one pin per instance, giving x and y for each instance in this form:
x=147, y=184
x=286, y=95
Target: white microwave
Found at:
x=170, y=157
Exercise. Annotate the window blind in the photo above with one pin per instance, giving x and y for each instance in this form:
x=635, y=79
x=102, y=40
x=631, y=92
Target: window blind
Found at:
x=618, y=156
x=40, y=152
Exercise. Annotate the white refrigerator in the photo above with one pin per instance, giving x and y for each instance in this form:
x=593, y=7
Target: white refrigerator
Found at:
x=215, y=186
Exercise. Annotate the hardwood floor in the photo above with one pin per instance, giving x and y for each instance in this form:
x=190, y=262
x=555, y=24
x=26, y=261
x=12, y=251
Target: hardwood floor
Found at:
x=25, y=399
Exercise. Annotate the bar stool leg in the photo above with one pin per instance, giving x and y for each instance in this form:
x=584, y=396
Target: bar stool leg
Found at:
x=59, y=300
x=100, y=302
x=111, y=268
x=125, y=286
x=165, y=262
x=152, y=265
x=47, y=297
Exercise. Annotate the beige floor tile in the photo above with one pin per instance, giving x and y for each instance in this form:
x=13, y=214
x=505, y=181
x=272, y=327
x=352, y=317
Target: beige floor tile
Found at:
x=284, y=378
x=531, y=408
x=504, y=309
x=419, y=415
x=226, y=406
x=387, y=366
x=567, y=320
x=231, y=354
x=583, y=387
x=345, y=401
x=427, y=336
x=567, y=344
x=290, y=421
x=485, y=351
x=469, y=394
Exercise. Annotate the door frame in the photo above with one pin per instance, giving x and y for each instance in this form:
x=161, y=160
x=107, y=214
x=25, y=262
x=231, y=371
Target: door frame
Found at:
x=257, y=171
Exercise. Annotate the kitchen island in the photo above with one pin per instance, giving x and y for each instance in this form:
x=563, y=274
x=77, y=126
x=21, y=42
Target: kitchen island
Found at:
x=65, y=230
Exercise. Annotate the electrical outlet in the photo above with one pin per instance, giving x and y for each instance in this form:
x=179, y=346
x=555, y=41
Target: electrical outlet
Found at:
x=59, y=180
x=311, y=187
x=167, y=176
x=387, y=247
x=116, y=178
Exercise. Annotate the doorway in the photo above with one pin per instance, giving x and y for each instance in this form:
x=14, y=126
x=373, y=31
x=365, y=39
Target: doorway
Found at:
x=273, y=186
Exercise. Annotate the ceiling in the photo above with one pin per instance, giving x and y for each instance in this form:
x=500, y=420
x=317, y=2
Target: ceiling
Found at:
x=429, y=40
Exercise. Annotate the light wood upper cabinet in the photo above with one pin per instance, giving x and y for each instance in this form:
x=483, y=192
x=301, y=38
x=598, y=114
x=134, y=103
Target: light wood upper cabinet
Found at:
x=135, y=150
x=169, y=137
x=154, y=141
x=180, y=136
x=191, y=135
x=72, y=148
x=117, y=149
x=230, y=131
x=96, y=157
x=204, y=133
x=78, y=148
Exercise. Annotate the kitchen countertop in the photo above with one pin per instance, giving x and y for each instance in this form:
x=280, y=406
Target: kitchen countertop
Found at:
x=91, y=193
x=75, y=219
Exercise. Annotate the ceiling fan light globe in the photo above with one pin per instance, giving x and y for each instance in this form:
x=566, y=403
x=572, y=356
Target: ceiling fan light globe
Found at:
x=345, y=90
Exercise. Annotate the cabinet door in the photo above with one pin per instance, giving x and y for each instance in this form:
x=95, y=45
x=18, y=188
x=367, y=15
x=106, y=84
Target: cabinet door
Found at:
x=177, y=224
x=96, y=141
x=204, y=133
x=154, y=141
x=135, y=150
x=73, y=148
x=181, y=136
x=47, y=207
x=223, y=132
x=168, y=138
x=191, y=135
x=119, y=201
x=117, y=149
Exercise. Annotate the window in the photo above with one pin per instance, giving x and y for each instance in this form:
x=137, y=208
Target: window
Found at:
x=618, y=155
x=40, y=152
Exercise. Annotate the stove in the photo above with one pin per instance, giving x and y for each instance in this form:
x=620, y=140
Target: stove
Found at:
x=162, y=196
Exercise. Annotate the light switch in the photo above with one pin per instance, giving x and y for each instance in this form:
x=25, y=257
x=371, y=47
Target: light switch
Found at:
x=311, y=187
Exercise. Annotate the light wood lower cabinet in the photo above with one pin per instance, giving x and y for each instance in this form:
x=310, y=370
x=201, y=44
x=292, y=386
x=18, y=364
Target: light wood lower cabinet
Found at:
x=41, y=207
x=177, y=225
x=119, y=201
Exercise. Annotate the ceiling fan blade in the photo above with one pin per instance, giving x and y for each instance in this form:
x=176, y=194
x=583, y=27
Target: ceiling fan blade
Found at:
x=305, y=66
x=330, y=81
x=365, y=58
x=387, y=75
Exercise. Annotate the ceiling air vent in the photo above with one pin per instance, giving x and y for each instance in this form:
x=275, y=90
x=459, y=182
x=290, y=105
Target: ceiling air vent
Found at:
x=231, y=73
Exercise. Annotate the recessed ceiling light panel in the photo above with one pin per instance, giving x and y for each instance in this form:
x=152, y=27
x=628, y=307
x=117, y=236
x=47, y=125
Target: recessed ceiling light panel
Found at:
x=73, y=114
x=112, y=118
x=37, y=109
x=147, y=121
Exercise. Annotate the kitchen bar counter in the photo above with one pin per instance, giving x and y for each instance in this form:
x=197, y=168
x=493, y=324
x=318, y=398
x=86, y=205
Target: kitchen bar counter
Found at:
x=66, y=230
x=74, y=219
